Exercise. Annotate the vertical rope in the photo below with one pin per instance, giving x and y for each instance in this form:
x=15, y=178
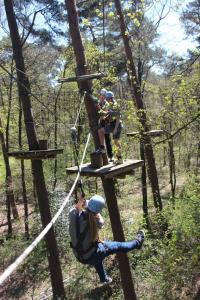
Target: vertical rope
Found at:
x=104, y=38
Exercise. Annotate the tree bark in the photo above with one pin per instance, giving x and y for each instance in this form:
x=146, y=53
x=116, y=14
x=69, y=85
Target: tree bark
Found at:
x=172, y=167
x=135, y=84
x=24, y=194
x=144, y=181
x=24, y=95
x=9, y=186
x=82, y=68
x=118, y=234
x=108, y=185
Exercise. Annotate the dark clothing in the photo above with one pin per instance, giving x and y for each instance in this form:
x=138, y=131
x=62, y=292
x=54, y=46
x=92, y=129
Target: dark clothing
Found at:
x=109, y=128
x=108, y=145
x=81, y=242
x=98, y=252
x=107, y=140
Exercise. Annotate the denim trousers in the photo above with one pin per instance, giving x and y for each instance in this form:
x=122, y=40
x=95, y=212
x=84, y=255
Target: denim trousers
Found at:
x=107, y=248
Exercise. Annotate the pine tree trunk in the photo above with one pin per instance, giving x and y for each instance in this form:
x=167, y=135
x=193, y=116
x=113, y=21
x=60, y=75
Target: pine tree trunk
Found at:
x=82, y=69
x=144, y=181
x=197, y=159
x=151, y=166
x=24, y=194
x=172, y=168
x=24, y=95
x=9, y=186
x=109, y=188
x=55, y=139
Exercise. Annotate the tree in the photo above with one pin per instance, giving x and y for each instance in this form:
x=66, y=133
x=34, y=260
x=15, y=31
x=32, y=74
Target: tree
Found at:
x=191, y=19
x=137, y=93
x=108, y=184
x=24, y=95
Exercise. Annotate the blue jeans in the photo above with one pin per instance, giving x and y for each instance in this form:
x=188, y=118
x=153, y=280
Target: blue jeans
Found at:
x=107, y=248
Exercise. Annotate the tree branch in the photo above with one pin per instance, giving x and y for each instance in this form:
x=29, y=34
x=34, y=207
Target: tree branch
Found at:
x=31, y=26
x=170, y=136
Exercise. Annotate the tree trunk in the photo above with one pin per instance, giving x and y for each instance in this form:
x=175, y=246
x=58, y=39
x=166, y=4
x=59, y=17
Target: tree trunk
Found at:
x=24, y=95
x=82, y=68
x=9, y=186
x=144, y=181
x=55, y=138
x=24, y=194
x=118, y=234
x=108, y=184
x=172, y=168
x=135, y=84
x=197, y=159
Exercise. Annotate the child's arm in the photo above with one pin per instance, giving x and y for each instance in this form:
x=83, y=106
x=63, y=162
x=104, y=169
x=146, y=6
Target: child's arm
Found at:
x=99, y=220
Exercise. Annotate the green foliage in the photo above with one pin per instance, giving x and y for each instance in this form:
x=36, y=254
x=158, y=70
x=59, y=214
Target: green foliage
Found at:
x=168, y=267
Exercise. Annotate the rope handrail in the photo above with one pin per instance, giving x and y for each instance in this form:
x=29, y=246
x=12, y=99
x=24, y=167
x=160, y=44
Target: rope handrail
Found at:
x=30, y=248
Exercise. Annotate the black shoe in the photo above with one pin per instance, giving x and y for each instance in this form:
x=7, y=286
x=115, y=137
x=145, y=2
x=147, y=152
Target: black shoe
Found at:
x=100, y=151
x=118, y=161
x=140, y=238
x=108, y=280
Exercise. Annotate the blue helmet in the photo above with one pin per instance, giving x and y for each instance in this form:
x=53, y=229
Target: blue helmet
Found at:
x=96, y=204
x=109, y=94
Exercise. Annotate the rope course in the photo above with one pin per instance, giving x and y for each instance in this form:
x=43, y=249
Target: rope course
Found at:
x=30, y=93
x=30, y=248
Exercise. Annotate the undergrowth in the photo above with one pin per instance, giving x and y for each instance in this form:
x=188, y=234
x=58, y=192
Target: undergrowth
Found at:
x=167, y=267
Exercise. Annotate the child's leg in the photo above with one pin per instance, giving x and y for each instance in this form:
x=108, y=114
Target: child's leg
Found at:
x=101, y=271
x=118, y=148
x=101, y=133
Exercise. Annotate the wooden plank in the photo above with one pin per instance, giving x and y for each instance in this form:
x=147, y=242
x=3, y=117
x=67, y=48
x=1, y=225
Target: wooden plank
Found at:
x=108, y=171
x=152, y=133
x=35, y=154
x=83, y=77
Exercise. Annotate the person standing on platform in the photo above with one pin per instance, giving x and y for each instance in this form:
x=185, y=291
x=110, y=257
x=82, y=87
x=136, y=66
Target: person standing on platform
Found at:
x=112, y=116
x=102, y=106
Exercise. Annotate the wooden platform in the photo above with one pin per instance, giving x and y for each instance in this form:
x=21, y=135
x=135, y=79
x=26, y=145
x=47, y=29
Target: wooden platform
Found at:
x=35, y=154
x=152, y=133
x=109, y=170
x=83, y=77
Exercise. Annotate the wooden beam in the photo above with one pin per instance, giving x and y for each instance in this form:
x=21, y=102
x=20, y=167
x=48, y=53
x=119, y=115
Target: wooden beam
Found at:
x=83, y=77
x=108, y=171
x=35, y=154
x=152, y=133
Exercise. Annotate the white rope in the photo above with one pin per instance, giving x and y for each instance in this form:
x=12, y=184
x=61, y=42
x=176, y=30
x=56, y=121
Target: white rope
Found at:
x=30, y=248
x=82, y=100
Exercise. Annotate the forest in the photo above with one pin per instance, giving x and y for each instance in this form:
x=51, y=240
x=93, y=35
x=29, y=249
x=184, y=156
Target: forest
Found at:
x=55, y=58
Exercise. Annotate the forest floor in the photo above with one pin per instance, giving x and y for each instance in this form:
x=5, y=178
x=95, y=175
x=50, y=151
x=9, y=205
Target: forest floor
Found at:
x=43, y=288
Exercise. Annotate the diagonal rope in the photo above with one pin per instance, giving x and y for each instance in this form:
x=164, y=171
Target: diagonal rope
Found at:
x=30, y=248
x=81, y=105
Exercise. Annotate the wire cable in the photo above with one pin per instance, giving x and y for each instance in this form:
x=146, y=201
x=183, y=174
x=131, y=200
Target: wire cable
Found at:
x=104, y=38
x=30, y=248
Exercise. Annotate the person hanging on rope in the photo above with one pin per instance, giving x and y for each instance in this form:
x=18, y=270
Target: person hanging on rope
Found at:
x=113, y=124
x=85, y=220
x=103, y=105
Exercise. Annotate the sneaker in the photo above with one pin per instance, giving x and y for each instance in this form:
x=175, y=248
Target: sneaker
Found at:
x=119, y=161
x=140, y=237
x=108, y=280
